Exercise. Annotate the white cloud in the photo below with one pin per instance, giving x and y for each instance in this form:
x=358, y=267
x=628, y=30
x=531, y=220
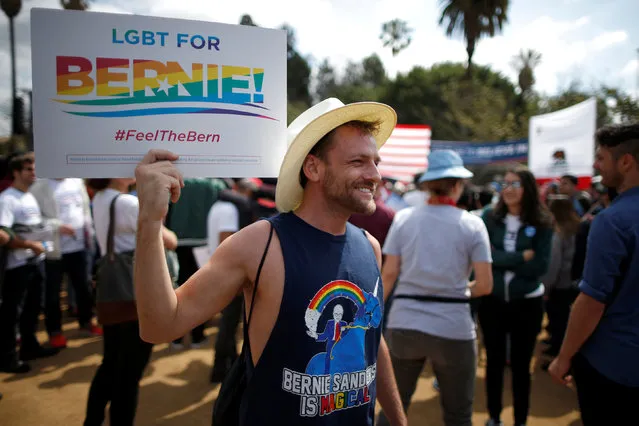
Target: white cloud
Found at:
x=631, y=68
x=607, y=39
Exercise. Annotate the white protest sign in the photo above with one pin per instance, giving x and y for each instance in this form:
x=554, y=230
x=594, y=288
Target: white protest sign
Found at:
x=109, y=87
x=563, y=142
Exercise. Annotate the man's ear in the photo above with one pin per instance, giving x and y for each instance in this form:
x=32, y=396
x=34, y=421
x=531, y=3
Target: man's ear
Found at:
x=312, y=168
x=626, y=163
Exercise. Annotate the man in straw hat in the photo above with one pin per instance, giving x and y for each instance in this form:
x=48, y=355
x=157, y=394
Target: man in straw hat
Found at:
x=315, y=261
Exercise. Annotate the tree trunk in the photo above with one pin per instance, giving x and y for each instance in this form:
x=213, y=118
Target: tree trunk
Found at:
x=470, y=49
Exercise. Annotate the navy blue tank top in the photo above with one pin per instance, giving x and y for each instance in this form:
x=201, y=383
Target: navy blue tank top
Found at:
x=319, y=364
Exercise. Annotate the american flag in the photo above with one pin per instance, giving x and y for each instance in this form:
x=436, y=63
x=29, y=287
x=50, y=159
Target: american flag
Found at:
x=406, y=152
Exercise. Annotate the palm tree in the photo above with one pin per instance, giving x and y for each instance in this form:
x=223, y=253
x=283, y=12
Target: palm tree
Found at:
x=473, y=19
x=75, y=4
x=247, y=20
x=11, y=8
x=525, y=63
x=396, y=34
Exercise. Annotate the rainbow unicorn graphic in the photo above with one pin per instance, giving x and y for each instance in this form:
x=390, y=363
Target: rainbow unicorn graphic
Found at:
x=345, y=343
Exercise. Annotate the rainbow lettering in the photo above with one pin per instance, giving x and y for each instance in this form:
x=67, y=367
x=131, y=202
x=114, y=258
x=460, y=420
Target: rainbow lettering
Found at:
x=343, y=400
x=336, y=289
x=105, y=83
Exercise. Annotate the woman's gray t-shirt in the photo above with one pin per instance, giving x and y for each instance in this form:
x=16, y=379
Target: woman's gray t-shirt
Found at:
x=438, y=245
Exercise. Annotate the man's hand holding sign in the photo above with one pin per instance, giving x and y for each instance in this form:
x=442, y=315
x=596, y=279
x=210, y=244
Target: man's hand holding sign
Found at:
x=155, y=175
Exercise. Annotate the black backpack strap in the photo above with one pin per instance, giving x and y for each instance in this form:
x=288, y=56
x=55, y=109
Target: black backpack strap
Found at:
x=111, y=232
x=246, y=347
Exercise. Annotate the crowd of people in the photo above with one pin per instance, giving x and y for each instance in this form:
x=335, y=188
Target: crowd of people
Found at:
x=395, y=274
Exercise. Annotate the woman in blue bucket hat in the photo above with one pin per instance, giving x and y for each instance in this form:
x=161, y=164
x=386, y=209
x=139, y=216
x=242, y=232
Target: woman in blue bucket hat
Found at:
x=430, y=252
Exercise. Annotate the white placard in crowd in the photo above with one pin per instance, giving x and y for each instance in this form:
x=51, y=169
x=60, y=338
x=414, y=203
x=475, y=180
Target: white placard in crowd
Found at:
x=563, y=142
x=109, y=87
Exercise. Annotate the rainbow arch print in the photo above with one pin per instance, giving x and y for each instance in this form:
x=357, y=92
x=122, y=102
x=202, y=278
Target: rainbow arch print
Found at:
x=336, y=289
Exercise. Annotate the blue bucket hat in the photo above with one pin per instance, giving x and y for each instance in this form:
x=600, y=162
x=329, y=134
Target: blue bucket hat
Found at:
x=445, y=163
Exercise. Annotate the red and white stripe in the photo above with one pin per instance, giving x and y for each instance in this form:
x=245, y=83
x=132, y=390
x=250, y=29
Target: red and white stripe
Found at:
x=406, y=152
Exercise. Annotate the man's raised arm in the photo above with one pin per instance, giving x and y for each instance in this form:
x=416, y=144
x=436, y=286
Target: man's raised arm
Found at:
x=165, y=314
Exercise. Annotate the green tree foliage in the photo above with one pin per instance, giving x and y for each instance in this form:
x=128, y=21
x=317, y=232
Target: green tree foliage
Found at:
x=482, y=106
x=613, y=106
x=247, y=20
x=360, y=81
x=525, y=63
x=11, y=8
x=623, y=108
x=326, y=81
x=298, y=71
x=75, y=4
x=463, y=109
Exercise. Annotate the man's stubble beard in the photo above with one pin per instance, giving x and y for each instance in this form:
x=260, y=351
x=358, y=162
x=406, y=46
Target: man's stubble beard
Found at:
x=614, y=180
x=338, y=194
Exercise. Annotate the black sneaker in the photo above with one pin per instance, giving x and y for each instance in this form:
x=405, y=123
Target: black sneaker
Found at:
x=39, y=352
x=15, y=367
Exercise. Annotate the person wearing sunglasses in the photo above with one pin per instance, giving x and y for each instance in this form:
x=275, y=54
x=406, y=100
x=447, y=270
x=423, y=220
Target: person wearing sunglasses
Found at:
x=520, y=231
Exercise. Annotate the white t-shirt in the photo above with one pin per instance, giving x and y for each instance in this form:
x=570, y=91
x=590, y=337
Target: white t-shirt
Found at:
x=126, y=220
x=21, y=208
x=68, y=194
x=438, y=245
x=513, y=225
x=223, y=217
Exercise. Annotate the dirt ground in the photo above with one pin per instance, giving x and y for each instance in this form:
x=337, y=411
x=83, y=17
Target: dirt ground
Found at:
x=175, y=390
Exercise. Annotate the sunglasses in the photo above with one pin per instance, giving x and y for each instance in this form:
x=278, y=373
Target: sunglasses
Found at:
x=514, y=185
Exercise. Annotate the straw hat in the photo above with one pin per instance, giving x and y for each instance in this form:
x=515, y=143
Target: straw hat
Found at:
x=313, y=124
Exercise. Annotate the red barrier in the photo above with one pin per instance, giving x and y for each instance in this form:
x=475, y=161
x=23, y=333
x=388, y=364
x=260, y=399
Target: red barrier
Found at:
x=583, y=183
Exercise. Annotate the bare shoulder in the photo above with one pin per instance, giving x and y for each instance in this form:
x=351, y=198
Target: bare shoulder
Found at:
x=377, y=248
x=250, y=237
x=247, y=245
